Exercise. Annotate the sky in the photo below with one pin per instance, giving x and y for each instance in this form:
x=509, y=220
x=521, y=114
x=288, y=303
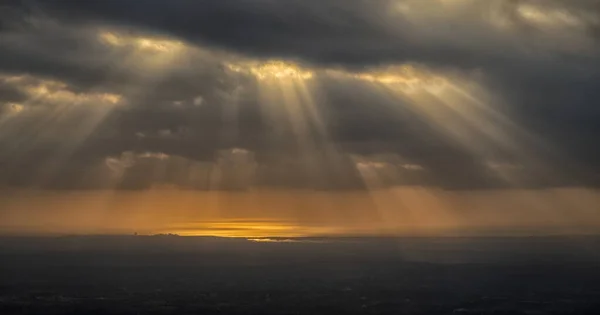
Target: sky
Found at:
x=299, y=117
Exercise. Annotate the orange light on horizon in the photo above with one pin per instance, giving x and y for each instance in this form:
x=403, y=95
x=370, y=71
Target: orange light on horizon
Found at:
x=248, y=229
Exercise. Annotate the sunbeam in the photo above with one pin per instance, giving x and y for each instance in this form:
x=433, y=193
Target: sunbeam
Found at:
x=379, y=104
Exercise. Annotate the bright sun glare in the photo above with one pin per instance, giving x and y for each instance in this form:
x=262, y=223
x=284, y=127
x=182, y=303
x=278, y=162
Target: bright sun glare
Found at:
x=247, y=229
x=275, y=69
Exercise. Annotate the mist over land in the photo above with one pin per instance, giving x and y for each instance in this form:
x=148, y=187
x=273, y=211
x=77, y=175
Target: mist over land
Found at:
x=167, y=274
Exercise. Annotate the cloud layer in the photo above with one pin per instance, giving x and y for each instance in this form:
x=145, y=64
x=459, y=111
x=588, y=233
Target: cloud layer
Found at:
x=337, y=94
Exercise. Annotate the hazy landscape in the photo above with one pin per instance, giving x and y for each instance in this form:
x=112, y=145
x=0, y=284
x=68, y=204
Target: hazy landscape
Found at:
x=205, y=275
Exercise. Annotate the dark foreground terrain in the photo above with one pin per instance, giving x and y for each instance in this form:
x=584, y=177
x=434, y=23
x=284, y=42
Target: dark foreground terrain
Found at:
x=189, y=275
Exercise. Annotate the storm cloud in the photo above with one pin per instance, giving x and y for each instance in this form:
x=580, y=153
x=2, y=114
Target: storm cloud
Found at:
x=336, y=94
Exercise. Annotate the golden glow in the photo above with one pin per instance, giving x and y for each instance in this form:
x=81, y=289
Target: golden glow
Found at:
x=408, y=210
x=58, y=92
x=548, y=18
x=270, y=70
x=155, y=155
x=145, y=44
x=145, y=52
x=286, y=92
x=256, y=230
x=273, y=240
x=555, y=27
x=280, y=70
x=408, y=78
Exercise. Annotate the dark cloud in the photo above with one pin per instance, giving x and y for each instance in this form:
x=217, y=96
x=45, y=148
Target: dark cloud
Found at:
x=539, y=57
